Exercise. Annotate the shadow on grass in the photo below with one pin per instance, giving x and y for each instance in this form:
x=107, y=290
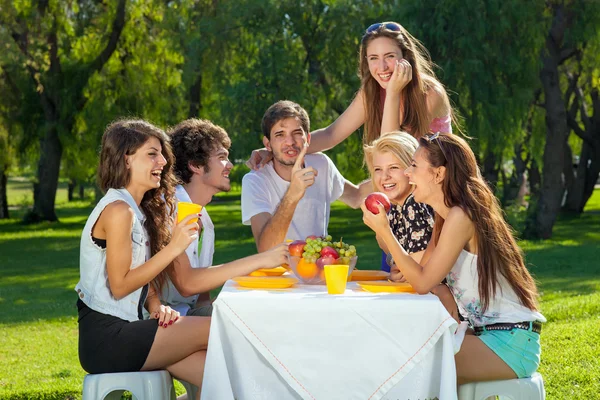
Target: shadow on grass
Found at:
x=568, y=262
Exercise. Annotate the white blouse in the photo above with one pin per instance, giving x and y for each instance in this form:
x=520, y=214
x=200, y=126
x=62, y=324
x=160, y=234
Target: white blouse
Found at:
x=505, y=307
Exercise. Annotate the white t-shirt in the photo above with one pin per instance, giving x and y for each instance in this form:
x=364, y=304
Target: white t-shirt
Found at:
x=505, y=307
x=170, y=295
x=263, y=190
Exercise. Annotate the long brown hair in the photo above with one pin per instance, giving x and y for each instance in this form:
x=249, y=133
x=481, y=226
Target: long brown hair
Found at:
x=416, y=118
x=123, y=138
x=464, y=187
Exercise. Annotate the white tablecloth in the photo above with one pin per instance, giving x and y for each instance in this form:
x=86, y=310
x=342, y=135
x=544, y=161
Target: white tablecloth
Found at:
x=302, y=343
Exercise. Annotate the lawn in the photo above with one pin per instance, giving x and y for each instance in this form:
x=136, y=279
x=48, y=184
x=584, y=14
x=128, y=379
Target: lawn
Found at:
x=39, y=268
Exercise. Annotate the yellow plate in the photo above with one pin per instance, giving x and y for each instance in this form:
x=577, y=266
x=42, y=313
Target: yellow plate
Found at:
x=365, y=275
x=265, y=282
x=268, y=271
x=386, y=286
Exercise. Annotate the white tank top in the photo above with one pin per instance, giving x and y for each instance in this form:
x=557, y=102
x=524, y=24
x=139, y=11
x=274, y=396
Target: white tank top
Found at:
x=504, y=307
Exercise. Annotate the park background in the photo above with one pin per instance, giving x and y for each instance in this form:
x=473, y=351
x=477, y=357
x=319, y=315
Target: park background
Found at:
x=523, y=76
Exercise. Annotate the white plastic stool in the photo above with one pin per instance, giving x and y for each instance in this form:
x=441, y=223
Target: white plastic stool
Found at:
x=148, y=385
x=515, y=389
x=191, y=390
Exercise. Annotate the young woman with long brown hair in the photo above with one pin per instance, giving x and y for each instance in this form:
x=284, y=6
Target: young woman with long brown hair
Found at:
x=126, y=245
x=399, y=91
x=473, y=247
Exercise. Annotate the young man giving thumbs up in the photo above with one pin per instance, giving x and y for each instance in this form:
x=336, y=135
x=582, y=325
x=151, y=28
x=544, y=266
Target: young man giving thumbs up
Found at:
x=290, y=197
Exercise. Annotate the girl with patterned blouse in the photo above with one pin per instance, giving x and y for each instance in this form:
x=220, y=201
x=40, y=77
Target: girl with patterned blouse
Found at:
x=410, y=221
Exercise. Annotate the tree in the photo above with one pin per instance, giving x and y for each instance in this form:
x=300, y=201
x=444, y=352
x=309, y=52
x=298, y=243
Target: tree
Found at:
x=488, y=57
x=583, y=117
x=572, y=24
x=58, y=46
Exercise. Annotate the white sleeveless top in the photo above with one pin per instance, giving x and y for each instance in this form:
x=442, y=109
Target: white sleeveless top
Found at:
x=504, y=307
x=93, y=287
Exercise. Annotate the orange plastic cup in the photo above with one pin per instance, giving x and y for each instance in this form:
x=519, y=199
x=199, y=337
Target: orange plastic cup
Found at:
x=336, y=277
x=184, y=209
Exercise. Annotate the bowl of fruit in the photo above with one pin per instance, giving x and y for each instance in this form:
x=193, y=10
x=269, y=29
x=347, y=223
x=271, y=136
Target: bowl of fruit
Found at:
x=308, y=257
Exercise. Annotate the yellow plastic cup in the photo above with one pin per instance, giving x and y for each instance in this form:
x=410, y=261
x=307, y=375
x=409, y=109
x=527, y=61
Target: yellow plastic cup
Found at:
x=336, y=277
x=184, y=209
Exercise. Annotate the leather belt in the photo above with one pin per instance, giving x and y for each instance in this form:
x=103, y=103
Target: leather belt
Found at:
x=536, y=327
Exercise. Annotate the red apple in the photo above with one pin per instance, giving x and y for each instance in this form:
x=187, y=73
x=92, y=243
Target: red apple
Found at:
x=312, y=237
x=325, y=260
x=377, y=197
x=296, y=248
x=329, y=251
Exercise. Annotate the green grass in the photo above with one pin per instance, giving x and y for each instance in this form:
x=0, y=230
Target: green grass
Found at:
x=39, y=268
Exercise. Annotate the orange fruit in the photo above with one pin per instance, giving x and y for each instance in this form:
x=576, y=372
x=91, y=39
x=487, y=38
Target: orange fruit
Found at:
x=306, y=270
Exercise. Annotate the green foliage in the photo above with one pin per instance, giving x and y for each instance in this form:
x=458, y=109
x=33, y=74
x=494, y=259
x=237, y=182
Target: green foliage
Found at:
x=228, y=61
x=488, y=53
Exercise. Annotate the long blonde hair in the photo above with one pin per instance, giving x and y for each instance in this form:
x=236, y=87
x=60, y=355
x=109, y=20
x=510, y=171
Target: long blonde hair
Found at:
x=416, y=118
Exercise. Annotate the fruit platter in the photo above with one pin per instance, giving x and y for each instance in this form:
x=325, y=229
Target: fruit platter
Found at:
x=308, y=257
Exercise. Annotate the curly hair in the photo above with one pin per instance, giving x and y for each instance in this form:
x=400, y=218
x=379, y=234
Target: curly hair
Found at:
x=193, y=140
x=125, y=137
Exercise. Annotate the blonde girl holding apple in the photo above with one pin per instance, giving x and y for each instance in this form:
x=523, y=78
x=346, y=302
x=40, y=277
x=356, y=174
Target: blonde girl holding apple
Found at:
x=411, y=222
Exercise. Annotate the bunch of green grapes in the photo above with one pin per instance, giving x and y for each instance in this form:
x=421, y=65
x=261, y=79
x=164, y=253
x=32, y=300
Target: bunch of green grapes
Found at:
x=314, y=245
x=345, y=251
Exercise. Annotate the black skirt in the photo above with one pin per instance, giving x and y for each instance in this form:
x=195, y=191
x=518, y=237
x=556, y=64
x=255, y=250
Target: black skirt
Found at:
x=111, y=344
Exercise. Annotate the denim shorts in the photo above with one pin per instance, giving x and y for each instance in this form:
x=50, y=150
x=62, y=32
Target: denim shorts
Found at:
x=519, y=348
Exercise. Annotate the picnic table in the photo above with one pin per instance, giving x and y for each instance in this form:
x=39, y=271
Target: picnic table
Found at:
x=301, y=343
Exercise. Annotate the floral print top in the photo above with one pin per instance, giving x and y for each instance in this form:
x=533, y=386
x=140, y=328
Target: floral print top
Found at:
x=412, y=224
x=463, y=282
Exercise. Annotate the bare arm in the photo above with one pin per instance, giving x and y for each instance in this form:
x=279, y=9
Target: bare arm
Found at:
x=354, y=195
x=152, y=301
x=438, y=104
x=401, y=76
x=115, y=223
x=324, y=138
x=457, y=231
x=190, y=281
x=270, y=230
x=350, y=120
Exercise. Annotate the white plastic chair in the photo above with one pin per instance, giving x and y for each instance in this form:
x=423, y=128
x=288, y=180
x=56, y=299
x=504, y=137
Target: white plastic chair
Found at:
x=148, y=385
x=515, y=389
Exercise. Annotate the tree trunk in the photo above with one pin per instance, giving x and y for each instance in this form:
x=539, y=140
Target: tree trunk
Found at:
x=552, y=189
x=44, y=190
x=490, y=169
x=195, y=97
x=591, y=179
x=3, y=197
x=81, y=191
x=71, y=189
x=513, y=185
x=587, y=175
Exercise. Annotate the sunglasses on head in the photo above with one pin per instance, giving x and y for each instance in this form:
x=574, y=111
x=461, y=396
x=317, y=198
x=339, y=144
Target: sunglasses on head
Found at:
x=390, y=26
x=436, y=136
